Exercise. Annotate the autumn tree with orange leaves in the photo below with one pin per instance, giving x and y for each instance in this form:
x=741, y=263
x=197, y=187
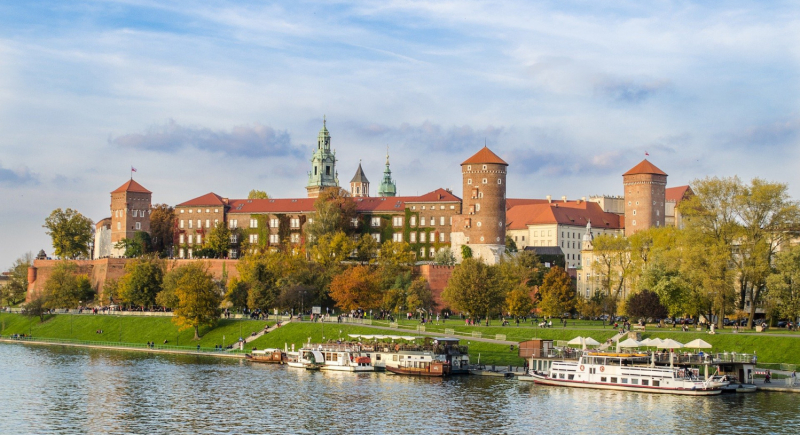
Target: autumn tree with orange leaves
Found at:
x=357, y=287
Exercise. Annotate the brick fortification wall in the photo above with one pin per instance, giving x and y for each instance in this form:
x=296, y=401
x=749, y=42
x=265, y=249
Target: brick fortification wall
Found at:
x=102, y=270
x=437, y=277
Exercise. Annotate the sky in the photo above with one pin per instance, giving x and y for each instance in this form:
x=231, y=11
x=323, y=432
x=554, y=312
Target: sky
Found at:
x=225, y=97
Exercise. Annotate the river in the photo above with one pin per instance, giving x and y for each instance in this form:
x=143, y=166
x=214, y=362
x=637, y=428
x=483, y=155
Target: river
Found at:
x=70, y=390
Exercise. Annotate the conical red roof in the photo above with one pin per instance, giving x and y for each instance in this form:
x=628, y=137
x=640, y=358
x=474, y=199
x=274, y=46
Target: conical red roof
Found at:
x=485, y=155
x=131, y=186
x=645, y=167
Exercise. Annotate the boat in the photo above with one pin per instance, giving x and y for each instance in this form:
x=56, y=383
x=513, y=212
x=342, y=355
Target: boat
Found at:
x=305, y=359
x=421, y=368
x=405, y=355
x=729, y=384
x=625, y=372
x=271, y=356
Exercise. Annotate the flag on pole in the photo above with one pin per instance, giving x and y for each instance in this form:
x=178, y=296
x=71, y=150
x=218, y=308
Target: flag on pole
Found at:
x=133, y=169
x=645, y=153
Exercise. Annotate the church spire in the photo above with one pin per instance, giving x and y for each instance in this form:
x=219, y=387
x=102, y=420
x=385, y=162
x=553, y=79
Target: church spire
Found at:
x=388, y=188
x=323, y=172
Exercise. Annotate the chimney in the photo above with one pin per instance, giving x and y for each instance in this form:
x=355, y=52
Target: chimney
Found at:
x=225, y=201
x=564, y=198
x=549, y=198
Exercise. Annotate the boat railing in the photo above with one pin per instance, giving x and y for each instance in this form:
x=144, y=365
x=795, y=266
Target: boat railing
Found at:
x=735, y=357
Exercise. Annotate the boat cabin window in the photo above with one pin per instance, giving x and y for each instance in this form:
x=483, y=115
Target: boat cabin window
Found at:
x=635, y=381
x=571, y=377
x=394, y=357
x=656, y=383
x=561, y=376
x=645, y=382
x=613, y=380
x=624, y=380
x=603, y=379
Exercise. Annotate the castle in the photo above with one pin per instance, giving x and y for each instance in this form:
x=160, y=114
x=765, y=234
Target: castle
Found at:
x=480, y=219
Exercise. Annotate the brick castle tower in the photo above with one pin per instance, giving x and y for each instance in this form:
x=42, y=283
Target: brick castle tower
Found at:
x=130, y=212
x=645, y=187
x=359, y=185
x=481, y=226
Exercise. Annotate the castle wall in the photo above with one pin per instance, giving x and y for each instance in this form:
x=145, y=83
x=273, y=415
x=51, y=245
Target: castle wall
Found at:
x=437, y=277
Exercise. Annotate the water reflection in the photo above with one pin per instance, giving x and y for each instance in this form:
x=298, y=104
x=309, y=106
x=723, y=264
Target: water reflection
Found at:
x=55, y=390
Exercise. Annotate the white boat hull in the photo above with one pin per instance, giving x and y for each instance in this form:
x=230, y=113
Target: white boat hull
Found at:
x=543, y=380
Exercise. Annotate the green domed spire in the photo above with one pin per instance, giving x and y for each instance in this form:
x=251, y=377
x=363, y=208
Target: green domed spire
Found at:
x=388, y=188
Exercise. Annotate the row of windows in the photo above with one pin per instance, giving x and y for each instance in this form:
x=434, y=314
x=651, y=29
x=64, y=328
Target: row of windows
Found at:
x=200, y=210
x=485, y=181
x=397, y=221
x=199, y=223
x=433, y=207
x=190, y=239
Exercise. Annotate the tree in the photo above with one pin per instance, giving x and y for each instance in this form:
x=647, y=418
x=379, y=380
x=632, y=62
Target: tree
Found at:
x=261, y=272
x=198, y=298
x=333, y=213
x=523, y=268
x=142, y=281
x=519, y=302
x=236, y=295
x=356, y=287
x=72, y=233
x=66, y=288
x=366, y=248
x=139, y=245
x=218, y=241
x=645, y=304
x=419, y=296
x=394, y=259
x=612, y=254
x=784, y=286
x=257, y=194
x=36, y=308
x=511, y=245
x=474, y=288
x=466, y=252
x=331, y=249
x=444, y=257
x=162, y=227
x=592, y=307
x=557, y=293
x=16, y=287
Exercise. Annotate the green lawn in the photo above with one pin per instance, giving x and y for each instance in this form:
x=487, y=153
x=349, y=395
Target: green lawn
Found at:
x=125, y=329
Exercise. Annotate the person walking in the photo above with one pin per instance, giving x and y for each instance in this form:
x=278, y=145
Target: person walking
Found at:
x=767, y=376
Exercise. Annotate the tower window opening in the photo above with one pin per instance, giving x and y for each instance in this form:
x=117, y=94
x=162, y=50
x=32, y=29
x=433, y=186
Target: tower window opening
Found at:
x=327, y=170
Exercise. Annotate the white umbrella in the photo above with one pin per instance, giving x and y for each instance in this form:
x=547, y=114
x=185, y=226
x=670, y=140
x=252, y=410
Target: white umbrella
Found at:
x=698, y=344
x=669, y=344
x=354, y=335
x=576, y=340
x=645, y=342
x=589, y=341
x=629, y=343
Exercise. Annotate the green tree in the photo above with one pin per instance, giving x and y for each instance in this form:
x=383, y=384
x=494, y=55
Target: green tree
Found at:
x=332, y=249
x=72, y=233
x=333, y=213
x=139, y=245
x=218, y=241
x=236, y=295
x=366, y=248
x=261, y=272
x=444, y=257
x=257, y=194
x=614, y=265
x=511, y=245
x=420, y=297
x=784, y=286
x=66, y=288
x=474, y=288
x=142, y=281
x=162, y=228
x=198, y=298
x=17, y=286
x=522, y=268
x=466, y=252
x=557, y=293
x=36, y=308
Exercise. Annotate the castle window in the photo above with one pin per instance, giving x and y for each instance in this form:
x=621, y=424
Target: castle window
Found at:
x=216, y=221
x=294, y=222
x=422, y=221
x=484, y=167
x=452, y=207
x=191, y=211
x=181, y=223
x=190, y=223
x=253, y=238
x=233, y=253
x=216, y=210
x=397, y=221
x=253, y=223
x=135, y=212
x=274, y=239
x=634, y=222
x=180, y=253
x=481, y=238
x=233, y=223
x=138, y=225
x=479, y=224
x=432, y=252
x=469, y=167
x=413, y=238
x=208, y=223
x=190, y=252
x=637, y=202
x=634, y=212
x=327, y=170
x=182, y=210
x=413, y=221
x=523, y=238
x=485, y=181
x=397, y=237
x=422, y=237
x=180, y=239
x=208, y=211
x=199, y=239
x=441, y=207
x=441, y=237
x=354, y=222
x=441, y=220
x=198, y=224
x=469, y=181
x=234, y=238
x=274, y=223
x=295, y=237
x=315, y=170
x=190, y=239
x=376, y=222
x=377, y=237
x=499, y=181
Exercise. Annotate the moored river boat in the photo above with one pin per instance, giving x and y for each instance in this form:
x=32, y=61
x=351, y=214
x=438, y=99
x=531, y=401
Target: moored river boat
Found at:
x=270, y=356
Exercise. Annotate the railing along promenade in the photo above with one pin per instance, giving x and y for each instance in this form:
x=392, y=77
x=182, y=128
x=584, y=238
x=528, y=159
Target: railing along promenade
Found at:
x=122, y=345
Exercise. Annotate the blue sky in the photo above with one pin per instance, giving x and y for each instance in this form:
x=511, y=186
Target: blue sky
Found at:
x=229, y=96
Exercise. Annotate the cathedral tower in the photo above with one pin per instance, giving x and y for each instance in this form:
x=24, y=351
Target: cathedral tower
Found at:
x=481, y=226
x=323, y=173
x=359, y=185
x=388, y=188
x=645, y=196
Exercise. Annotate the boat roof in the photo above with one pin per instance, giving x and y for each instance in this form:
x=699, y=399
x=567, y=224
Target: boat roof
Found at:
x=449, y=339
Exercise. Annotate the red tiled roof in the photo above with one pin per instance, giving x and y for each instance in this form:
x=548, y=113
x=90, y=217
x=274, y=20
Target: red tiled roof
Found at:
x=131, y=186
x=210, y=198
x=485, y=155
x=565, y=213
x=286, y=205
x=676, y=194
x=437, y=195
x=645, y=167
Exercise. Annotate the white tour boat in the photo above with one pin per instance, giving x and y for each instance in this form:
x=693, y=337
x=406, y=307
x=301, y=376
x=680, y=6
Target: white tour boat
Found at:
x=619, y=371
x=343, y=357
